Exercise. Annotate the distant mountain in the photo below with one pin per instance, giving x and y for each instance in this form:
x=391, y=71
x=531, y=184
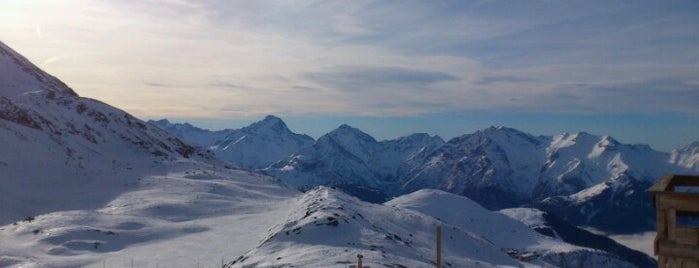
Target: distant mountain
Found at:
x=497, y=167
x=588, y=180
x=687, y=157
x=583, y=178
x=327, y=228
x=352, y=160
x=194, y=135
x=59, y=146
x=260, y=144
x=502, y=167
x=256, y=146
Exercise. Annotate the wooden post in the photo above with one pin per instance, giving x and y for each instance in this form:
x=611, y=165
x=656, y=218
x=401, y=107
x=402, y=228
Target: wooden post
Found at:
x=671, y=224
x=675, y=245
x=439, y=246
x=359, y=260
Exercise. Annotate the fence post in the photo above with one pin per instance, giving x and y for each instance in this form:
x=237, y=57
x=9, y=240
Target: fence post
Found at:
x=439, y=246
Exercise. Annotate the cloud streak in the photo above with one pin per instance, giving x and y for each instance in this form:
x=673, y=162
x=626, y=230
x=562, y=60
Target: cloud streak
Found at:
x=357, y=78
x=373, y=58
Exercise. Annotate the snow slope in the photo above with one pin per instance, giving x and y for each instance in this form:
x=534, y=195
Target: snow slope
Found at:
x=59, y=149
x=85, y=184
x=328, y=228
x=185, y=217
x=555, y=227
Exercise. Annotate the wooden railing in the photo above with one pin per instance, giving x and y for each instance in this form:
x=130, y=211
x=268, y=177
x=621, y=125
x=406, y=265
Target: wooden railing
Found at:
x=676, y=245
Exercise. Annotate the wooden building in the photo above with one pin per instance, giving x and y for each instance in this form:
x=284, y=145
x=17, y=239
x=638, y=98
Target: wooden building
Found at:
x=676, y=245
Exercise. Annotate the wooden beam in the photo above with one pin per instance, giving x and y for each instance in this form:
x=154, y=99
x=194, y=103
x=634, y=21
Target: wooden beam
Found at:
x=685, y=180
x=687, y=235
x=662, y=185
x=674, y=249
x=671, y=224
x=678, y=201
x=661, y=223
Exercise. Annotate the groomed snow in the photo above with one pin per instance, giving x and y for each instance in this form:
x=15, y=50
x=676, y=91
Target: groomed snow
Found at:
x=187, y=217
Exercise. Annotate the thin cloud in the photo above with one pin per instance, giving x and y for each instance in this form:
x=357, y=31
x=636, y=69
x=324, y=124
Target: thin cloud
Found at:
x=221, y=84
x=156, y=84
x=376, y=78
x=376, y=58
x=488, y=80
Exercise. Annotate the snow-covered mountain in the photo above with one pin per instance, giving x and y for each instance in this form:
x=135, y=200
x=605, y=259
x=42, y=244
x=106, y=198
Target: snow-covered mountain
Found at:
x=687, y=157
x=502, y=167
x=194, y=135
x=260, y=144
x=583, y=178
x=555, y=227
x=355, y=162
x=59, y=148
x=497, y=167
x=83, y=183
x=586, y=179
x=328, y=228
x=256, y=146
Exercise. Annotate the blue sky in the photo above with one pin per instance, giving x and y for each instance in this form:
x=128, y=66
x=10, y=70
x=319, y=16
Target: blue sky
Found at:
x=629, y=69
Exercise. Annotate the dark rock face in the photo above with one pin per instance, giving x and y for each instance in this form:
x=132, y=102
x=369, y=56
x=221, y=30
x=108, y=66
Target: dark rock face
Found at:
x=580, y=237
x=622, y=207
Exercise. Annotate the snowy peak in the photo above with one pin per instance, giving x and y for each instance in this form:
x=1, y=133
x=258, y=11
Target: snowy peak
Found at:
x=419, y=138
x=256, y=146
x=503, y=160
x=192, y=134
x=603, y=157
x=348, y=140
x=346, y=134
x=261, y=144
x=327, y=228
x=178, y=127
x=271, y=124
x=579, y=139
x=434, y=202
x=687, y=157
x=19, y=76
x=505, y=135
x=355, y=162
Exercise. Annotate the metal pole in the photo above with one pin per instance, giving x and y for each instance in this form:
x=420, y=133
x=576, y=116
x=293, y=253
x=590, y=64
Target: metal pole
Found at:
x=439, y=246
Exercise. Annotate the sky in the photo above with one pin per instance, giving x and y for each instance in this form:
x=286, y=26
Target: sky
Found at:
x=629, y=69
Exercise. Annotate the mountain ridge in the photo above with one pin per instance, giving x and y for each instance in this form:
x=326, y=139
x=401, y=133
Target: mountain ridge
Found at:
x=499, y=167
x=73, y=138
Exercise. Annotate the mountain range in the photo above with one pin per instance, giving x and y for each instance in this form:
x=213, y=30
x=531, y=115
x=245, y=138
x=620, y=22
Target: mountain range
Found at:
x=85, y=184
x=586, y=179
